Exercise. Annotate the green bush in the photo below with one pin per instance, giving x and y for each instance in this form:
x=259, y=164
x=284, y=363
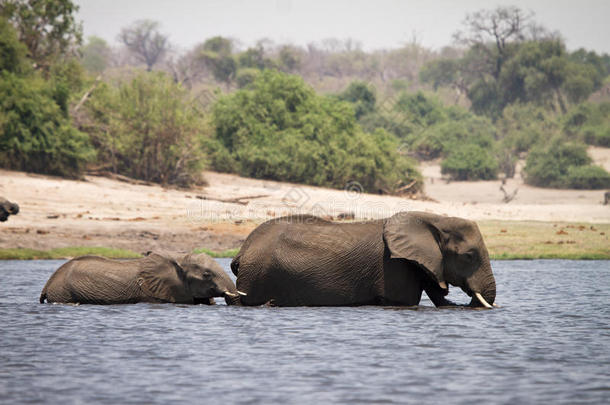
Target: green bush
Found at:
x=148, y=128
x=361, y=96
x=589, y=122
x=522, y=126
x=35, y=132
x=562, y=164
x=588, y=177
x=470, y=162
x=12, y=52
x=278, y=128
x=245, y=76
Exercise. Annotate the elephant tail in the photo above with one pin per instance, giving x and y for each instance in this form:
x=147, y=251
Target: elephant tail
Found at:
x=235, y=265
x=43, y=295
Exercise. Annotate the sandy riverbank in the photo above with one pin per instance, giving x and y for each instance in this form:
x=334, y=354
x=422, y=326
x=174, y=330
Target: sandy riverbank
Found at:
x=99, y=211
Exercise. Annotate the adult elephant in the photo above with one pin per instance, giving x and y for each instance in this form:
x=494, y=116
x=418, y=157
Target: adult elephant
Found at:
x=305, y=260
x=7, y=208
x=192, y=279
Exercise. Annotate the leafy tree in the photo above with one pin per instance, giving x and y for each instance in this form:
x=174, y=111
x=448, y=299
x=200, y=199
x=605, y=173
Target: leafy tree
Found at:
x=144, y=40
x=95, y=55
x=216, y=53
x=35, y=133
x=35, y=129
x=47, y=28
x=279, y=128
x=148, y=128
x=289, y=59
x=246, y=76
x=420, y=109
x=12, y=52
x=491, y=33
x=362, y=97
x=511, y=59
x=255, y=58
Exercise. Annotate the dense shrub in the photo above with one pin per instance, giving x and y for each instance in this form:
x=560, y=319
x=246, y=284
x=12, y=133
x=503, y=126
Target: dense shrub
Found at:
x=588, y=177
x=36, y=133
x=148, y=128
x=12, y=52
x=470, y=162
x=245, y=76
x=590, y=122
x=457, y=129
x=522, y=126
x=361, y=96
x=279, y=128
x=563, y=164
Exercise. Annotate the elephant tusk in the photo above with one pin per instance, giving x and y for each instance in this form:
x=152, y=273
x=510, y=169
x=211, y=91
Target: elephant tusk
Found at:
x=241, y=293
x=232, y=295
x=482, y=300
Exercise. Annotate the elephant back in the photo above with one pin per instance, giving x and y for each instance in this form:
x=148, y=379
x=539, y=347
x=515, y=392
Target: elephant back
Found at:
x=93, y=280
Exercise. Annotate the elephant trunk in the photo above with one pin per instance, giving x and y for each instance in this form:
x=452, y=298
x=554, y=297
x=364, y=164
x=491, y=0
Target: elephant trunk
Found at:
x=229, y=291
x=483, y=285
x=233, y=299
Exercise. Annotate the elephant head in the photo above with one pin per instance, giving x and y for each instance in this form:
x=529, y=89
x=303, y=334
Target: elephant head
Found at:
x=194, y=277
x=7, y=208
x=450, y=250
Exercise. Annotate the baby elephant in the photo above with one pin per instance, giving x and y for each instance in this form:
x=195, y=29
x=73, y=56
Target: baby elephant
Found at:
x=192, y=279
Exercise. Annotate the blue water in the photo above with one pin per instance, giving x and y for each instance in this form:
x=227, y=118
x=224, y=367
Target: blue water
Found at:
x=548, y=343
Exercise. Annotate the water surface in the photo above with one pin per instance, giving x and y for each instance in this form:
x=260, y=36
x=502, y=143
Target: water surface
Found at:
x=548, y=343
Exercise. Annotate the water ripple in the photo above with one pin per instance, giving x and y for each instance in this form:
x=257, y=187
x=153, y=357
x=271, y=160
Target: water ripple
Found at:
x=547, y=343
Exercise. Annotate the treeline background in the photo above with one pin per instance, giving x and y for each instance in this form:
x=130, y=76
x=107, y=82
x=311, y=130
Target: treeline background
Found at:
x=326, y=114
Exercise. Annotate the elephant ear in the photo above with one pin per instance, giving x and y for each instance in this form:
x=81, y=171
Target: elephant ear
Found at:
x=162, y=278
x=412, y=236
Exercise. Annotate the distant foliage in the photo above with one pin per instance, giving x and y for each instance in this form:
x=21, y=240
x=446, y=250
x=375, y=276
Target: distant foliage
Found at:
x=362, y=97
x=12, y=52
x=563, y=164
x=246, y=76
x=48, y=28
x=144, y=40
x=148, y=128
x=216, y=54
x=470, y=162
x=588, y=177
x=511, y=59
x=278, y=128
x=522, y=126
x=589, y=122
x=36, y=133
x=95, y=55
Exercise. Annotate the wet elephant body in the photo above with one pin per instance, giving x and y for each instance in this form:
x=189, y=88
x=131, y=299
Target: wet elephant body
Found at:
x=192, y=279
x=305, y=260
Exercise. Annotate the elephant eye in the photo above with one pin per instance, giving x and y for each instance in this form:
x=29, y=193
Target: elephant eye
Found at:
x=206, y=275
x=469, y=256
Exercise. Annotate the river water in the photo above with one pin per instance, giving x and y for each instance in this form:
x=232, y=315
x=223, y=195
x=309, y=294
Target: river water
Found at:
x=549, y=342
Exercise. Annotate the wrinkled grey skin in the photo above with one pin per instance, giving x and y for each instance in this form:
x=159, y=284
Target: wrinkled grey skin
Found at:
x=7, y=208
x=305, y=260
x=191, y=279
